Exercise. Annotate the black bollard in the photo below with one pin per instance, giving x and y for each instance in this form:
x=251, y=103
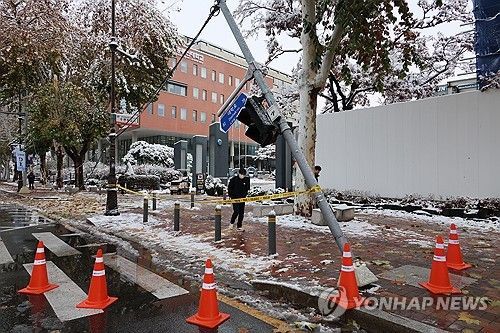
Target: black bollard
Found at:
x=177, y=215
x=271, y=231
x=192, y=199
x=145, y=210
x=154, y=201
x=218, y=223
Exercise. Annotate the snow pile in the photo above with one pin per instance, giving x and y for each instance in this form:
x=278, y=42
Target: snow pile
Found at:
x=130, y=226
x=142, y=152
x=475, y=224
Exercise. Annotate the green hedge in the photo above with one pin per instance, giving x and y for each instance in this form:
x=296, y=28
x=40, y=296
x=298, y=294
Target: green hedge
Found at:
x=140, y=182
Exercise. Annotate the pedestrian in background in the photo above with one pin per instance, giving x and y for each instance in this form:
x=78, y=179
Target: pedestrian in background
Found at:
x=31, y=179
x=238, y=188
x=317, y=170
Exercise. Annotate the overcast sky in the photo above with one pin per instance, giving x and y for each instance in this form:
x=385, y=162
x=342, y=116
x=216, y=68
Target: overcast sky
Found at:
x=192, y=14
x=189, y=15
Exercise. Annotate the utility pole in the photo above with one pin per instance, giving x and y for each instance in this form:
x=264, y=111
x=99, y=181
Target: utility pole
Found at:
x=286, y=131
x=111, y=194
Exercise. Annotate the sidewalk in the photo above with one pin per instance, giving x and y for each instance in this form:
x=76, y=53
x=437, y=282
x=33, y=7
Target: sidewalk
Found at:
x=384, y=240
x=307, y=255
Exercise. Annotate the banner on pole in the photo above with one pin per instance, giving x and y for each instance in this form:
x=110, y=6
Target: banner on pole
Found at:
x=21, y=160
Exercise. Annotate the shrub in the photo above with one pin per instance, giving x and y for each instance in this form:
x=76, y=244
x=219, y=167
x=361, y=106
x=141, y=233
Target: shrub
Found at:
x=140, y=182
x=141, y=152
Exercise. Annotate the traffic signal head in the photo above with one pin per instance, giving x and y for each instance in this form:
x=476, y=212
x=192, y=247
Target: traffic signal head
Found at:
x=260, y=127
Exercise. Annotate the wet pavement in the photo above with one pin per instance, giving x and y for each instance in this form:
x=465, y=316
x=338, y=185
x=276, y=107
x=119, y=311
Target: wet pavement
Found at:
x=136, y=310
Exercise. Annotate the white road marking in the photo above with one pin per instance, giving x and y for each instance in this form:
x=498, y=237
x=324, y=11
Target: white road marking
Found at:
x=155, y=284
x=64, y=298
x=5, y=257
x=71, y=235
x=55, y=245
x=92, y=245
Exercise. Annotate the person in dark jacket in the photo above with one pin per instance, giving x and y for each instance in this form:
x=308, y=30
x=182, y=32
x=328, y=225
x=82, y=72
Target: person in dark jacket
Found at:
x=31, y=179
x=238, y=187
x=317, y=170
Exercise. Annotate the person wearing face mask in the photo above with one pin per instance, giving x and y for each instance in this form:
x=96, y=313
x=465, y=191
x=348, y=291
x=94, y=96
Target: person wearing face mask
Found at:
x=238, y=187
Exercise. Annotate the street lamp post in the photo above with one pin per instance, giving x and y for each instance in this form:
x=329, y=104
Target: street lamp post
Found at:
x=112, y=198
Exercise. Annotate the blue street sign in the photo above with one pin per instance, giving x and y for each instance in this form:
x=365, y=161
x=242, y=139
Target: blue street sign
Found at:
x=229, y=117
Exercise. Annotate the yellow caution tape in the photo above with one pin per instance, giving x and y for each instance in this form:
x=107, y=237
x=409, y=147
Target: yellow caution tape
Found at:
x=313, y=189
x=132, y=192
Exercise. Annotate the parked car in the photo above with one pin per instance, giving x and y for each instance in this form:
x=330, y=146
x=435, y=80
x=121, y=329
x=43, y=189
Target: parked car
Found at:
x=179, y=186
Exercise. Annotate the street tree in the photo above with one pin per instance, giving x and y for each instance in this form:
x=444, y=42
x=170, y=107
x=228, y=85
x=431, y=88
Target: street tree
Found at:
x=146, y=36
x=32, y=35
x=69, y=118
x=341, y=41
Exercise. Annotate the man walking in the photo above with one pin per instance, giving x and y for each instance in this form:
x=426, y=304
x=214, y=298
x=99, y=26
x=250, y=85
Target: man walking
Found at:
x=238, y=187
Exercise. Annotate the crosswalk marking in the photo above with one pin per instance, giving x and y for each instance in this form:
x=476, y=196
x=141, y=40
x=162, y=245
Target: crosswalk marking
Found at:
x=64, y=298
x=5, y=257
x=55, y=245
x=155, y=284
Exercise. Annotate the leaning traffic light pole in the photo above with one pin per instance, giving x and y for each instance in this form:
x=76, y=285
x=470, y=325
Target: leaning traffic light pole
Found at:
x=286, y=131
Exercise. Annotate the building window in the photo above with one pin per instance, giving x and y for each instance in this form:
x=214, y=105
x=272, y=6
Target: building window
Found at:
x=221, y=99
x=150, y=108
x=184, y=67
x=176, y=89
x=195, y=69
x=237, y=81
x=195, y=115
x=183, y=114
x=174, y=111
x=161, y=110
x=204, y=95
x=213, y=117
x=203, y=72
x=214, y=76
x=203, y=117
x=221, y=78
x=230, y=80
x=214, y=97
x=196, y=92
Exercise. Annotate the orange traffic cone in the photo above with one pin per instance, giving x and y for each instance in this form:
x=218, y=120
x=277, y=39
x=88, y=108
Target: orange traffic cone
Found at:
x=208, y=315
x=39, y=281
x=348, y=297
x=439, y=280
x=454, y=258
x=98, y=292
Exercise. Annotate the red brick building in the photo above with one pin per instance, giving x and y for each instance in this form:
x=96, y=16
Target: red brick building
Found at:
x=190, y=102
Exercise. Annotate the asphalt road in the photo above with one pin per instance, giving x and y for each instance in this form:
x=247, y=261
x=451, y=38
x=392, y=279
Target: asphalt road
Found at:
x=137, y=309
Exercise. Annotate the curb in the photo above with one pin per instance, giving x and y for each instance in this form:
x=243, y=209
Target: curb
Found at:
x=370, y=320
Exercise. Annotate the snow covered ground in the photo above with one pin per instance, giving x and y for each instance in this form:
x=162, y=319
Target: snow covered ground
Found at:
x=473, y=224
x=195, y=247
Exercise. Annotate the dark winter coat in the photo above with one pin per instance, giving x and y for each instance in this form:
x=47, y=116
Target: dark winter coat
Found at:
x=238, y=188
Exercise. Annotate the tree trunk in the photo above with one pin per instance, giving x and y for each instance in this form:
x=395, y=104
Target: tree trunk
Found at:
x=308, y=97
x=59, y=159
x=43, y=168
x=78, y=164
x=307, y=141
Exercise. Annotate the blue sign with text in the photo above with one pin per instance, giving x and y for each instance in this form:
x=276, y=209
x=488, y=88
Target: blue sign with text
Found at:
x=229, y=117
